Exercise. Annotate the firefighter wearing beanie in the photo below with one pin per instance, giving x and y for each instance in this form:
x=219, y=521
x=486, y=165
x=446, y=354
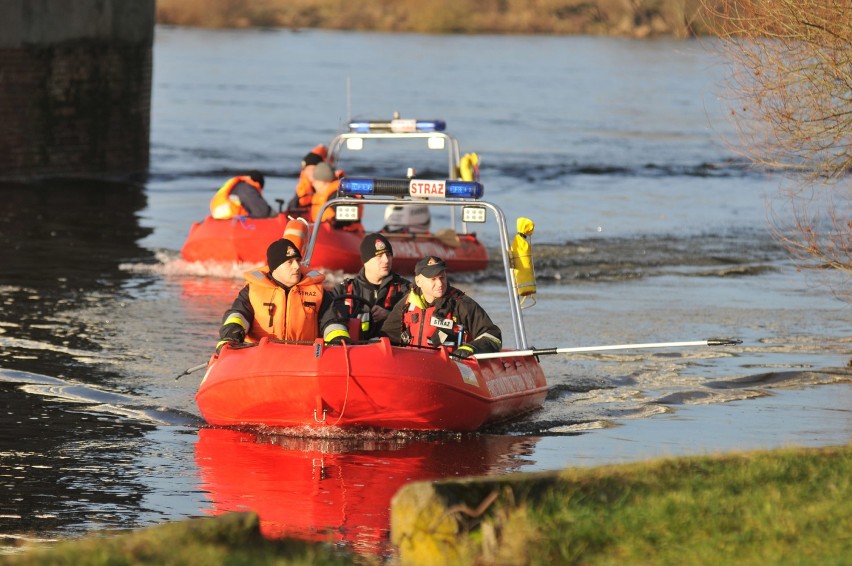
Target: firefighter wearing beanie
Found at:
x=359, y=306
x=281, y=300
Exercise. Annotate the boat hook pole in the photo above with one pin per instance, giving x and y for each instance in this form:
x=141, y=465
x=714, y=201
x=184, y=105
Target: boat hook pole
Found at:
x=548, y=351
x=192, y=369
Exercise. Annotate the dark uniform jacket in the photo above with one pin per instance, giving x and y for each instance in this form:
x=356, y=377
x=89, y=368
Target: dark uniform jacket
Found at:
x=338, y=313
x=479, y=332
x=253, y=201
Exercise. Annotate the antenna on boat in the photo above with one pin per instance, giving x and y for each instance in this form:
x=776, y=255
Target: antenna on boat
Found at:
x=348, y=99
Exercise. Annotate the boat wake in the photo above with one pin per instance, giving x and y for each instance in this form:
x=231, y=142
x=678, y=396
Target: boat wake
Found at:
x=169, y=263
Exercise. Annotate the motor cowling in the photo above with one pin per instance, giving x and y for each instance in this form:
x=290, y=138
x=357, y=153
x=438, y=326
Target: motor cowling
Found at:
x=414, y=218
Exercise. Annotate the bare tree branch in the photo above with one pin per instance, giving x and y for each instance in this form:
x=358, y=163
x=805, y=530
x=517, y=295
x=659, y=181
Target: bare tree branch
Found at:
x=790, y=88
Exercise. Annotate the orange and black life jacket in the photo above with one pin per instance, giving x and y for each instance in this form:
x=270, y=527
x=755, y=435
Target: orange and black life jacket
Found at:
x=223, y=206
x=361, y=323
x=282, y=314
x=387, y=302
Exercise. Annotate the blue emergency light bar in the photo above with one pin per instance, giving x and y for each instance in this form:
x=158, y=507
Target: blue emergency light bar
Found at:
x=403, y=188
x=397, y=125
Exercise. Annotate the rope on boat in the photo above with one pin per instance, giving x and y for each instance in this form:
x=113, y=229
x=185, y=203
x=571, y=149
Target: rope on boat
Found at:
x=348, y=379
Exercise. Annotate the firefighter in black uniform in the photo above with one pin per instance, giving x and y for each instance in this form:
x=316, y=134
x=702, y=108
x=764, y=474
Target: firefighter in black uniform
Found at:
x=436, y=314
x=358, y=307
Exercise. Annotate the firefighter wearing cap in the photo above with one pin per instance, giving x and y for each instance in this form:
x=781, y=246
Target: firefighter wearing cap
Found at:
x=436, y=314
x=380, y=288
x=281, y=300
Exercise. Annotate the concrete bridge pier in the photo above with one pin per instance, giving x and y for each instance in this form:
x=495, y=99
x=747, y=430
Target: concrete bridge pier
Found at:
x=75, y=88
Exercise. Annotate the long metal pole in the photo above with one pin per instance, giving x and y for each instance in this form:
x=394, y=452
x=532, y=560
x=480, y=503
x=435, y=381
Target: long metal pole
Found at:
x=549, y=351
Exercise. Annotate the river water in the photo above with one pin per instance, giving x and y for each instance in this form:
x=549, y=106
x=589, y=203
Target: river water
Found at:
x=648, y=229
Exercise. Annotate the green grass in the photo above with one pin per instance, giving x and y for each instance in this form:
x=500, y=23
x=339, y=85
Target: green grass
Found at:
x=782, y=507
x=233, y=539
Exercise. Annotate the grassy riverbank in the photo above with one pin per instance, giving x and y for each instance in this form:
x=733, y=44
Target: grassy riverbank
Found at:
x=629, y=18
x=782, y=507
x=791, y=506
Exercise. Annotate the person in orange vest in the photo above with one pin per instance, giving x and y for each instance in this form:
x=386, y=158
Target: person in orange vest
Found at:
x=282, y=300
x=241, y=196
x=305, y=186
x=325, y=184
x=437, y=314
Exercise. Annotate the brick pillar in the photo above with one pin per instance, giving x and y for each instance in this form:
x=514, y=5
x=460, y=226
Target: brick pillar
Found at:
x=75, y=87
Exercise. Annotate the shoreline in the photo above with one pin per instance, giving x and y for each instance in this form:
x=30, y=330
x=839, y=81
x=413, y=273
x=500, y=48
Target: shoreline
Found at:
x=545, y=17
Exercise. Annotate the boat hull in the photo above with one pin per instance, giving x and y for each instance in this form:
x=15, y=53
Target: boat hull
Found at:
x=236, y=239
x=372, y=385
x=246, y=240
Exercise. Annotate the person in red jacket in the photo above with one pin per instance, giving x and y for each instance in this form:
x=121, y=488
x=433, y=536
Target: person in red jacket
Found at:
x=437, y=314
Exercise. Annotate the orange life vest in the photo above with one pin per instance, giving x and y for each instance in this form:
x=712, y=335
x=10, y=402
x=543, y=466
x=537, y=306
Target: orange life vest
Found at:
x=304, y=190
x=319, y=198
x=292, y=315
x=222, y=206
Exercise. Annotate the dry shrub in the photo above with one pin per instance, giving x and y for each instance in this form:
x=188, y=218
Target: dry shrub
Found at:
x=633, y=18
x=789, y=89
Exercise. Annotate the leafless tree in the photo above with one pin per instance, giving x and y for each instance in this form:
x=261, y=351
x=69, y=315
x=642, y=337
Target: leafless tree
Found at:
x=790, y=87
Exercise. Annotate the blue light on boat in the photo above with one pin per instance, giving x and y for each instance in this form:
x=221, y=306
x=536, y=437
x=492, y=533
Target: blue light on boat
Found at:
x=359, y=127
x=396, y=125
x=416, y=188
x=464, y=189
x=431, y=125
x=354, y=187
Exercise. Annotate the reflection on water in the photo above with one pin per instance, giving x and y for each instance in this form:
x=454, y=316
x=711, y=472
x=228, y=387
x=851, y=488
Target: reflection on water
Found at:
x=61, y=243
x=335, y=489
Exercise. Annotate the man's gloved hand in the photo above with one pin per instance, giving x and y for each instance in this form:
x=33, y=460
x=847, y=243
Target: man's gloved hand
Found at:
x=379, y=314
x=462, y=352
x=232, y=332
x=338, y=340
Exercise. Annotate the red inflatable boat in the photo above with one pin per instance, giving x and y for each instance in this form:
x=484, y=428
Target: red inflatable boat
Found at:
x=374, y=384
x=381, y=146
x=246, y=240
x=368, y=385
